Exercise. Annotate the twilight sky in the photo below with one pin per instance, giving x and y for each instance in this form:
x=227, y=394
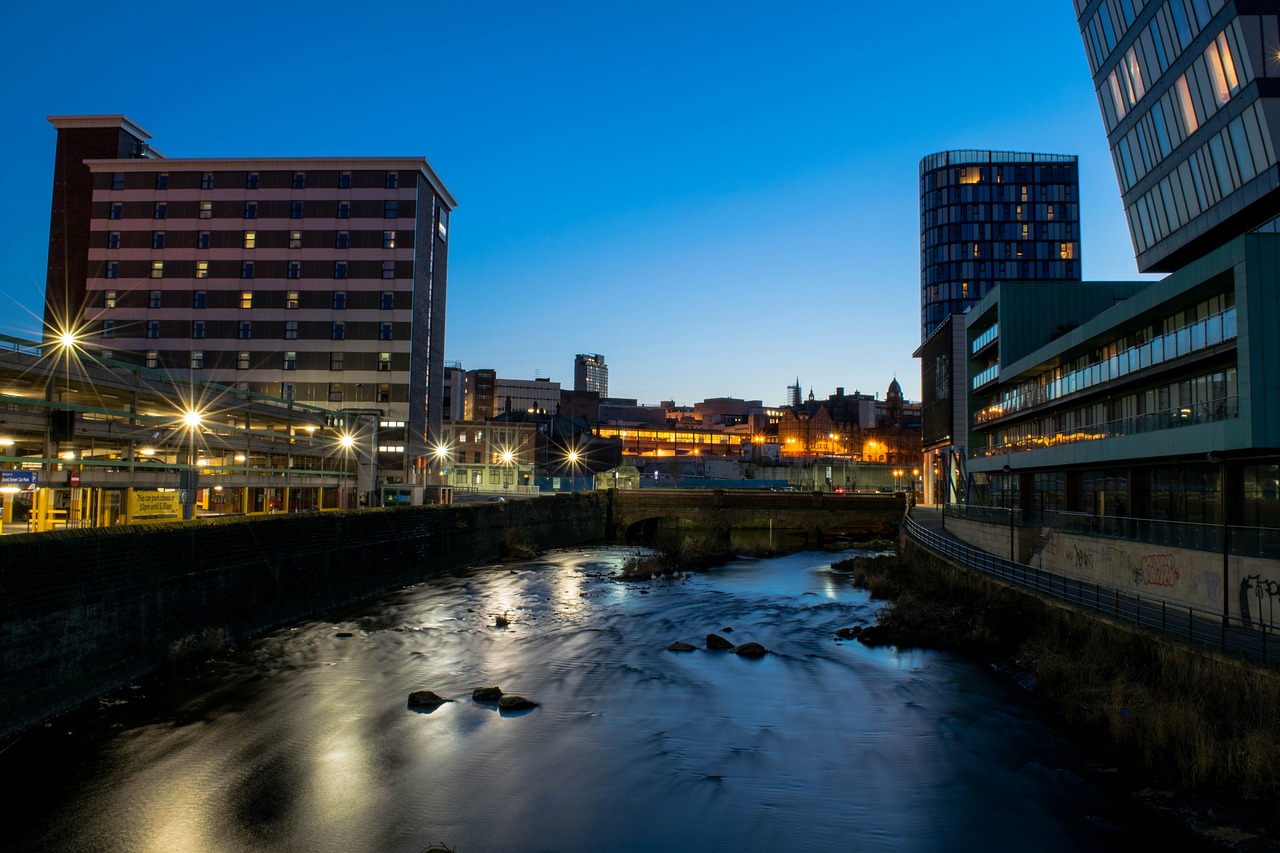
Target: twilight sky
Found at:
x=717, y=196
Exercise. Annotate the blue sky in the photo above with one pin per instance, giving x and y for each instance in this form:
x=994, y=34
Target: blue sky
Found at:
x=718, y=197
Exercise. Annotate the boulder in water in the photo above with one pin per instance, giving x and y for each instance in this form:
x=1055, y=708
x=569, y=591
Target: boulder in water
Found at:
x=716, y=643
x=486, y=694
x=678, y=646
x=426, y=700
x=751, y=650
x=511, y=702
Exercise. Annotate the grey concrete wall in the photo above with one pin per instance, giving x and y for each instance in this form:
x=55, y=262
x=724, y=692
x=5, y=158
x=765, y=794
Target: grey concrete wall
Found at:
x=85, y=611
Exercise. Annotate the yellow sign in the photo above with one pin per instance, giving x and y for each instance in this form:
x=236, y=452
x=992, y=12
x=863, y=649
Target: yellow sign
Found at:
x=154, y=505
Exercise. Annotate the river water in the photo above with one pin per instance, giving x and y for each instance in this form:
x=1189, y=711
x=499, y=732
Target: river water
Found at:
x=302, y=740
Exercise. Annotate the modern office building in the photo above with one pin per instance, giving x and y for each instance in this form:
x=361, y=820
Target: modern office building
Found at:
x=590, y=373
x=1190, y=97
x=991, y=216
x=1140, y=422
x=985, y=217
x=320, y=281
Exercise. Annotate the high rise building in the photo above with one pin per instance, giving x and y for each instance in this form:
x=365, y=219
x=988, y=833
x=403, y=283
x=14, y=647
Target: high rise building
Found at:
x=985, y=217
x=990, y=216
x=1190, y=97
x=315, y=280
x=590, y=373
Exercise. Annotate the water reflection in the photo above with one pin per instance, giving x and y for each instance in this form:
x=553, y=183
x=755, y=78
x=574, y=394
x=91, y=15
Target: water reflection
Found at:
x=302, y=740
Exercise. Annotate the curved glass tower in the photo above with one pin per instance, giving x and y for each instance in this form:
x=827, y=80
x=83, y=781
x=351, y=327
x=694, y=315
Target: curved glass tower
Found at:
x=991, y=216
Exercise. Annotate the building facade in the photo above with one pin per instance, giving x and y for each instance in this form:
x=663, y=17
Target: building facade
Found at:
x=991, y=216
x=1189, y=92
x=590, y=373
x=320, y=281
x=985, y=217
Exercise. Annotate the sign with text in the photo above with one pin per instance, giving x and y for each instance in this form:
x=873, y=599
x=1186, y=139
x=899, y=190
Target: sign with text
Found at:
x=154, y=505
x=19, y=478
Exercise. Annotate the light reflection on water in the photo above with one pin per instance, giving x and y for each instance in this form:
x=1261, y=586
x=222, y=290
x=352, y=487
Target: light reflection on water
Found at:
x=303, y=741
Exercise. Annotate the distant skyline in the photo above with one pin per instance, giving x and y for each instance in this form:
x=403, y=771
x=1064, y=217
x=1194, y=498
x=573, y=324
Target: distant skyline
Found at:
x=716, y=197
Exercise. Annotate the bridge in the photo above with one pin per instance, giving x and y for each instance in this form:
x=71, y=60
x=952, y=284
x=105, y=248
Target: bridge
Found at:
x=821, y=515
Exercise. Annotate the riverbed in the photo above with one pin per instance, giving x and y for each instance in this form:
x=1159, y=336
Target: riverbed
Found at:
x=302, y=739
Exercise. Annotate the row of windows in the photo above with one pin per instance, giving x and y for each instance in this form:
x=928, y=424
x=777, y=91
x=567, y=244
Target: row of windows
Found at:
x=1068, y=250
x=1008, y=181
x=244, y=330
x=1198, y=399
x=252, y=180
x=244, y=299
x=251, y=209
x=993, y=232
x=250, y=239
x=931, y=197
x=1177, y=335
x=1226, y=162
x=960, y=213
x=250, y=269
x=1208, y=84
x=1170, y=31
x=954, y=272
x=245, y=360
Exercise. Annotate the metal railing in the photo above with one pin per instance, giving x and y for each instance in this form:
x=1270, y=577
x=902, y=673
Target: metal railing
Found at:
x=1242, y=638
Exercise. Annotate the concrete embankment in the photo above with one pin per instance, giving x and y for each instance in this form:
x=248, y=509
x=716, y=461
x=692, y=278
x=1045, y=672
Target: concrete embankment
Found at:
x=88, y=610
x=1181, y=717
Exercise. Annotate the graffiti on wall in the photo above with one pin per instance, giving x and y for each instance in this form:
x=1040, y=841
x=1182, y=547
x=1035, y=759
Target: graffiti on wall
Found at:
x=1258, y=599
x=1082, y=560
x=1157, y=570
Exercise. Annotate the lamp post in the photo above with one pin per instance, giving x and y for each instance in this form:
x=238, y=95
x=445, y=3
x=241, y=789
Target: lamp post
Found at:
x=347, y=441
x=507, y=457
x=191, y=419
x=1008, y=472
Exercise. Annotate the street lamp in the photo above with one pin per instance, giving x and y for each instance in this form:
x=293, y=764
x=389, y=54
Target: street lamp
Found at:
x=347, y=441
x=507, y=457
x=192, y=420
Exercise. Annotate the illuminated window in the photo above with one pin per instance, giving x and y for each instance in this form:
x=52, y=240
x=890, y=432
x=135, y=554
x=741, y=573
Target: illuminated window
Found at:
x=1049, y=211
x=108, y=299
x=1026, y=233
x=291, y=299
x=384, y=396
x=295, y=239
x=206, y=210
x=388, y=239
x=250, y=239
x=202, y=269
x=1066, y=251
x=197, y=359
x=157, y=269
x=246, y=299
x=153, y=358
x=335, y=391
x=384, y=361
x=290, y=361
x=242, y=360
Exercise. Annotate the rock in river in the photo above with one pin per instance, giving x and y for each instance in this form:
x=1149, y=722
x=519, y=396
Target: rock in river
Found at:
x=678, y=646
x=486, y=694
x=511, y=702
x=426, y=700
x=751, y=650
x=716, y=643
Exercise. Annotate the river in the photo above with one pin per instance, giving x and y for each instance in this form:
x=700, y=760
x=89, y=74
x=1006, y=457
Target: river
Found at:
x=301, y=740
